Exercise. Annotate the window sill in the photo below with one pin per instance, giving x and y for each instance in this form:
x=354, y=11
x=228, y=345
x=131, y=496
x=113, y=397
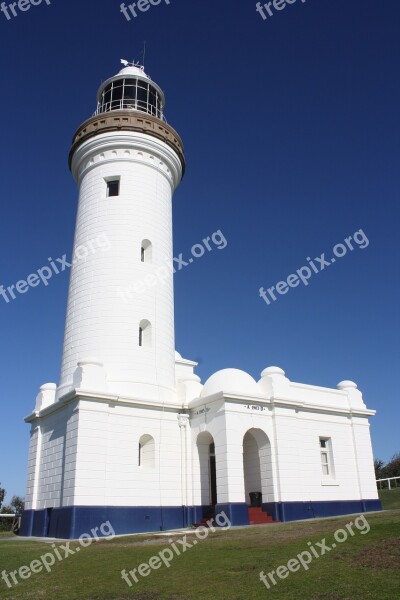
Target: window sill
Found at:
x=331, y=482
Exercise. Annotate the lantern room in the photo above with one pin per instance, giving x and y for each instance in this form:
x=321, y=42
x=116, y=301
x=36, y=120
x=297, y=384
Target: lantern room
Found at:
x=131, y=89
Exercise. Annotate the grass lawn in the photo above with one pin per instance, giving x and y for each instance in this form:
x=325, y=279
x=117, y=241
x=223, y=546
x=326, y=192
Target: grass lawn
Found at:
x=225, y=566
x=390, y=499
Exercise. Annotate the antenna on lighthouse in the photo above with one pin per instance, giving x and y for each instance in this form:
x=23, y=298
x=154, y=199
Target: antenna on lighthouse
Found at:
x=144, y=52
x=137, y=65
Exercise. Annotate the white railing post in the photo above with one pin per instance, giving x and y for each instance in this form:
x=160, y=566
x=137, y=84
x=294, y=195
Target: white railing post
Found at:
x=389, y=480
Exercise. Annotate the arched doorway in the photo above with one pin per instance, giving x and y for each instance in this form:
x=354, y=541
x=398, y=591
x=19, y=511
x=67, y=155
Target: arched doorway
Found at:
x=257, y=465
x=208, y=473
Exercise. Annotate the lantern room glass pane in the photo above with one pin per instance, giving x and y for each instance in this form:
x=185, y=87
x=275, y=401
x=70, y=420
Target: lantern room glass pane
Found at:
x=142, y=94
x=117, y=94
x=107, y=94
x=130, y=90
x=153, y=101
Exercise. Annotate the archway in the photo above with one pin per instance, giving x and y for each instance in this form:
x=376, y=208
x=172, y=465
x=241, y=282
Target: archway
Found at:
x=257, y=465
x=208, y=474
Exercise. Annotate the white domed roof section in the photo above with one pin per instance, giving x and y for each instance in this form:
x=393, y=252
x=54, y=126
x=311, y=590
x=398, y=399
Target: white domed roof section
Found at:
x=270, y=371
x=346, y=385
x=230, y=381
x=273, y=382
x=354, y=395
x=133, y=70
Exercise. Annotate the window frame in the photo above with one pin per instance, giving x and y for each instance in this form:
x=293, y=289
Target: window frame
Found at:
x=326, y=459
x=110, y=181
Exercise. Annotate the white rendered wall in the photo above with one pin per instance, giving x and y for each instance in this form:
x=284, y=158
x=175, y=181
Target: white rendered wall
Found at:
x=364, y=458
x=291, y=466
x=88, y=455
x=52, y=454
x=104, y=307
x=33, y=466
x=107, y=469
x=70, y=455
x=300, y=471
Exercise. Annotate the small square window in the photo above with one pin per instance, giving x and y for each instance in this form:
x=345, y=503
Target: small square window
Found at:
x=112, y=188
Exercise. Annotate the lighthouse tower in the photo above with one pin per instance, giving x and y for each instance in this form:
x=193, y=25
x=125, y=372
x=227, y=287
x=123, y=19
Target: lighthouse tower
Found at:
x=107, y=442
x=127, y=163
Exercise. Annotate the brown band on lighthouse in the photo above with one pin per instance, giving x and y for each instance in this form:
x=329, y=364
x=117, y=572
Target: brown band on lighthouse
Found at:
x=125, y=120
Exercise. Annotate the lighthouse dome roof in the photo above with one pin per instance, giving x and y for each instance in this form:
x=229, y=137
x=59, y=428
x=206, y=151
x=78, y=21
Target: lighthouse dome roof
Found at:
x=134, y=70
x=230, y=381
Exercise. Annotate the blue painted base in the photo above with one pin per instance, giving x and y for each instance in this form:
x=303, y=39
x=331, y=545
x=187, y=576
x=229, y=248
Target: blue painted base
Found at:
x=72, y=522
x=236, y=512
x=296, y=511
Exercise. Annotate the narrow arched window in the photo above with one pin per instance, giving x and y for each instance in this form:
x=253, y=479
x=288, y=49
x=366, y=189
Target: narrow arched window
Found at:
x=145, y=334
x=146, y=251
x=146, y=459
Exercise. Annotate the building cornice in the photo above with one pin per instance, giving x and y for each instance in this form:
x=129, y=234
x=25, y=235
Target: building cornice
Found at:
x=128, y=120
x=275, y=402
x=282, y=402
x=77, y=395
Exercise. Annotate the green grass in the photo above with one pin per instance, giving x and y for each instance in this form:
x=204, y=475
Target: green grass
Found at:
x=5, y=534
x=225, y=566
x=390, y=499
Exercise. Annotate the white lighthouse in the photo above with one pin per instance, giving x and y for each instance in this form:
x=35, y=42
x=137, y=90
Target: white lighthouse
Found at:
x=130, y=435
x=127, y=163
x=118, y=374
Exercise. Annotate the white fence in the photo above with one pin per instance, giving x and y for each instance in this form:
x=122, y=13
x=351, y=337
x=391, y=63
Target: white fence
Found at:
x=15, y=523
x=389, y=480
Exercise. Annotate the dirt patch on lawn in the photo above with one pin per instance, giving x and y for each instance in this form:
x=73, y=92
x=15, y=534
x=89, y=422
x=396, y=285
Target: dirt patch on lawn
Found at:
x=382, y=555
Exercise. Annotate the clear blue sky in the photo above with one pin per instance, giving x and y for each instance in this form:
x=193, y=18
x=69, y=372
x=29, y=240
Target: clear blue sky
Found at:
x=291, y=130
